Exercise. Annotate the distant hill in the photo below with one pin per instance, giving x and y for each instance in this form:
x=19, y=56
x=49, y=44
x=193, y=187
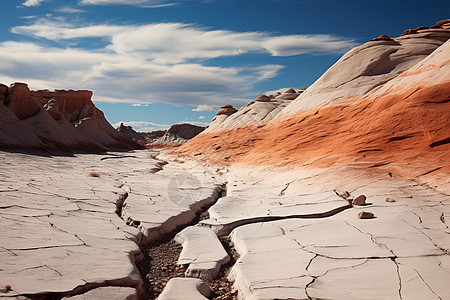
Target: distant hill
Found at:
x=176, y=135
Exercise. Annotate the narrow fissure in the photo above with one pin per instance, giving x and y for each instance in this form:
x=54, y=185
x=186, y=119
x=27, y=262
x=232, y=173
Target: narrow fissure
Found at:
x=221, y=287
x=308, y=285
x=159, y=262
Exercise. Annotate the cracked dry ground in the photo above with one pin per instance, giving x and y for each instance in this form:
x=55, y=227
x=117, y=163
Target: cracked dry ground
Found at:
x=294, y=237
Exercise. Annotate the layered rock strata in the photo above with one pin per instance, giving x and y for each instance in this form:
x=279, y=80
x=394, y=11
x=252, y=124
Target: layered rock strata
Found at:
x=54, y=121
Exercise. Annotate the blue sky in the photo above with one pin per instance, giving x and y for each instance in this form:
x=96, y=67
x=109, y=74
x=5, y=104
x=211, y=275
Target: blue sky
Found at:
x=153, y=63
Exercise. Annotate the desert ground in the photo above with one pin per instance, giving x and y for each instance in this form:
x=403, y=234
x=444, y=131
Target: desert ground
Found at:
x=82, y=226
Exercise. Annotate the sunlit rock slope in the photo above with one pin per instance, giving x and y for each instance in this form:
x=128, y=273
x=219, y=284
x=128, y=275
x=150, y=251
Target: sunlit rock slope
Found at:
x=384, y=104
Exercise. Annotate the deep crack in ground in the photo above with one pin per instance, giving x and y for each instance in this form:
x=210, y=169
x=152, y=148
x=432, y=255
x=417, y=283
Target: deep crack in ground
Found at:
x=158, y=263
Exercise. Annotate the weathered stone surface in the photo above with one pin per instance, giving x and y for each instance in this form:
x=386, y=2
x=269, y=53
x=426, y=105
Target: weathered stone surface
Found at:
x=296, y=256
x=172, y=200
x=185, y=288
x=107, y=293
x=202, y=251
x=60, y=229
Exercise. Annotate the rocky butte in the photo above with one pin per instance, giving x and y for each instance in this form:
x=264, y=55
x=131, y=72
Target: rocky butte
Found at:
x=337, y=191
x=55, y=120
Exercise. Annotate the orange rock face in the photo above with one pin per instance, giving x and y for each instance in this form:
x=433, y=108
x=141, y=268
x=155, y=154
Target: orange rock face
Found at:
x=388, y=132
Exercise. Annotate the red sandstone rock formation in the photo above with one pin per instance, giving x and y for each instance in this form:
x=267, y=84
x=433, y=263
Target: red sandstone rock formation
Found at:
x=21, y=102
x=55, y=120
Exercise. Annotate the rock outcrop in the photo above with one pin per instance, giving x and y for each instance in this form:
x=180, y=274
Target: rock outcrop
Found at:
x=177, y=134
x=130, y=133
x=20, y=101
x=261, y=110
x=383, y=104
x=226, y=110
x=54, y=121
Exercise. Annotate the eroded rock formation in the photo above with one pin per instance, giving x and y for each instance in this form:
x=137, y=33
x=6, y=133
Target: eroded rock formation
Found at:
x=384, y=103
x=55, y=120
x=177, y=134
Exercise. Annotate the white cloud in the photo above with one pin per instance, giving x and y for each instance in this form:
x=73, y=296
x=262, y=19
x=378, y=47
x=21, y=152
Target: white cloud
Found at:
x=57, y=30
x=120, y=78
x=143, y=3
x=300, y=44
x=69, y=10
x=205, y=107
x=29, y=3
x=143, y=126
x=161, y=42
x=139, y=104
x=160, y=62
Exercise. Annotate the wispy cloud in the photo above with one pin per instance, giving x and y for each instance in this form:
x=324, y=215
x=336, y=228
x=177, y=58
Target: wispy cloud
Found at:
x=142, y=3
x=160, y=41
x=147, y=62
x=120, y=78
x=58, y=30
x=139, y=105
x=69, y=10
x=202, y=117
x=30, y=3
x=205, y=107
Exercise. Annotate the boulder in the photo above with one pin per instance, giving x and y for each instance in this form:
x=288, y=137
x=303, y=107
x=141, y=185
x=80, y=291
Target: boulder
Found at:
x=21, y=102
x=290, y=91
x=226, y=110
x=360, y=200
x=366, y=215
